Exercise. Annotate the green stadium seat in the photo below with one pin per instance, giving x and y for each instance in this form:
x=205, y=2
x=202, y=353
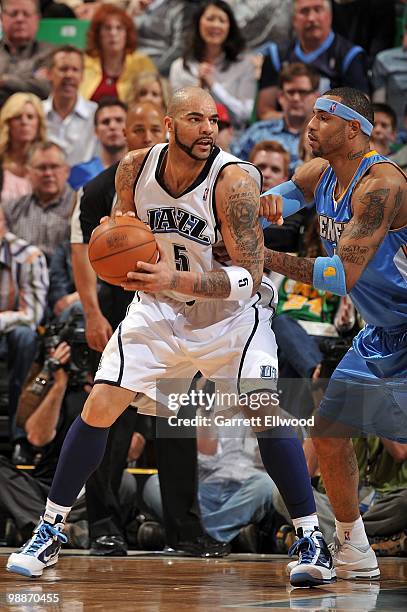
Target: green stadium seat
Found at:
x=63, y=31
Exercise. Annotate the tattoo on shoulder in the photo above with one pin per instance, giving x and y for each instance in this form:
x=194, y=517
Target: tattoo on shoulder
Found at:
x=127, y=171
x=372, y=215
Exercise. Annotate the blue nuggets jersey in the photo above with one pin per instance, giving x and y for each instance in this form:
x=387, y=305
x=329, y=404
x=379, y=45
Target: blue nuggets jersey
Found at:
x=380, y=294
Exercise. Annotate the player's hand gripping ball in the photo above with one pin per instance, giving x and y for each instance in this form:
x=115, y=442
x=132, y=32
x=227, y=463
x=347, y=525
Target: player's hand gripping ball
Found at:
x=117, y=245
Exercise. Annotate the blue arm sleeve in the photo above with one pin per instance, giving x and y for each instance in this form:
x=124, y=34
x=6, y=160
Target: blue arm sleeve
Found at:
x=293, y=199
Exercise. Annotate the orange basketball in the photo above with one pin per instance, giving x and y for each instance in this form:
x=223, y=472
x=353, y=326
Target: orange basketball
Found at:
x=116, y=246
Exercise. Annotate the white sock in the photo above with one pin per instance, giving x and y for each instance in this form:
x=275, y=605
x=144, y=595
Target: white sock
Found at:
x=54, y=513
x=353, y=533
x=308, y=523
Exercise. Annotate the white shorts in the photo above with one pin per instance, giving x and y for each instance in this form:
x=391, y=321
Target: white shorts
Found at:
x=165, y=340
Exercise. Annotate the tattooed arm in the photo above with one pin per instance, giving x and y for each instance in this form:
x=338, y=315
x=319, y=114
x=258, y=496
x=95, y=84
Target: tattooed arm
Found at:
x=126, y=175
x=237, y=206
x=379, y=203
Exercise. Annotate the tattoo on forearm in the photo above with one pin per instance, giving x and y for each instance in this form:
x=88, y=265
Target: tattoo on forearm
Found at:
x=372, y=215
x=241, y=211
x=298, y=268
x=215, y=284
x=354, y=253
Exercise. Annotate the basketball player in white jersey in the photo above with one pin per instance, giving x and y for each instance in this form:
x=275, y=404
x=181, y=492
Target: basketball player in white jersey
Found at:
x=190, y=314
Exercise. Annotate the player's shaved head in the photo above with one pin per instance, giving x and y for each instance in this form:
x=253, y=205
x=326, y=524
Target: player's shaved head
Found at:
x=187, y=98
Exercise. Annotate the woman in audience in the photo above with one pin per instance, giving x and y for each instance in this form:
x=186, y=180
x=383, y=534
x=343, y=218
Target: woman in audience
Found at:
x=22, y=123
x=150, y=87
x=111, y=60
x=213, y=59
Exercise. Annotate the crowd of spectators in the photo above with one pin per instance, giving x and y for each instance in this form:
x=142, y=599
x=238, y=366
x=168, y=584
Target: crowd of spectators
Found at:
x=67, y=117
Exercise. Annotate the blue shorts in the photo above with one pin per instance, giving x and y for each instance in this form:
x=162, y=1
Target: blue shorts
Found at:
x=368, y=390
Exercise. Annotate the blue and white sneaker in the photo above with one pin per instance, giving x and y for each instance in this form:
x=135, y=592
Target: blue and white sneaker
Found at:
x=39, y=552
x=314, y=565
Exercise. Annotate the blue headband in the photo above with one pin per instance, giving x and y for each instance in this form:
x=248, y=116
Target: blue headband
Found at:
x=344, y=112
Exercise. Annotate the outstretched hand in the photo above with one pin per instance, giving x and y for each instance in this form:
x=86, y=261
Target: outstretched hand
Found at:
x=152, y=278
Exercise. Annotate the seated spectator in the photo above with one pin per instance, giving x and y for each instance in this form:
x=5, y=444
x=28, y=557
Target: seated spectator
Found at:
x=225, y=128
x=338, y=62
x=298, y=92
x=69, y=116
x=23, y=59
x=111, y=59
x=22, y=123
x=213, y=60
x=234, y=490
x=42, y=218
x=110, y=120
x=161, y=29
x=385, y=126
x=24, y=282
x=150, y=87
x=273, y=161
x=382, y=493
x=390, y=77
x=62, y=296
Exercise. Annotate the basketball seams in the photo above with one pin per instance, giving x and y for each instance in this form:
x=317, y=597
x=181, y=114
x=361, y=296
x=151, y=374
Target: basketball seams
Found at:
x=136, y=246
x=111, y=226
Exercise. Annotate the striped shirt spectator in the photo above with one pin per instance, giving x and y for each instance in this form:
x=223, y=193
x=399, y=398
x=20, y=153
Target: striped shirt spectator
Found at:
x=42, y=217
x=23, y=284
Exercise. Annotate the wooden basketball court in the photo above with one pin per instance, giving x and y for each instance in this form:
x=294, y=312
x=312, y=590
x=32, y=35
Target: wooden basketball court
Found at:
x=146, y=582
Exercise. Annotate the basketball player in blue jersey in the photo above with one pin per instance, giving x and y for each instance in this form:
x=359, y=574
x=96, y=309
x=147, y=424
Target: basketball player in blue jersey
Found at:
x=361, y=200
x=190, y=313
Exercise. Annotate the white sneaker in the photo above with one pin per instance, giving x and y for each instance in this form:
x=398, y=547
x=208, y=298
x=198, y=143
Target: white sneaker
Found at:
x=39, y=552
x=314, y=565
x=354, y=562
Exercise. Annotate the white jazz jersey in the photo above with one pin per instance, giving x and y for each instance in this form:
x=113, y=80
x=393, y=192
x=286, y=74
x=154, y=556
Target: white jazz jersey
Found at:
x=185, y=227
x=167, y=337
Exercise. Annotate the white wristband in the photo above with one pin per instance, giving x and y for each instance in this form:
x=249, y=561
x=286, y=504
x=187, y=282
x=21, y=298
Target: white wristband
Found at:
x=241, y=283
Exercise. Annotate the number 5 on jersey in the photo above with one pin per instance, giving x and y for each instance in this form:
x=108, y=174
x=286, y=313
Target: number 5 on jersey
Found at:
x=181, y=258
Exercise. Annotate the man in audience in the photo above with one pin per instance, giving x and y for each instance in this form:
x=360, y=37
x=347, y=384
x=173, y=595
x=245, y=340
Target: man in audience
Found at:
x=24, y=288
x=42, y=217
x=23, y=59
x=110, y=120
x=272, y=160
x=69, y=116
x=298, y=92
x=385, y=127
x=339, y=62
